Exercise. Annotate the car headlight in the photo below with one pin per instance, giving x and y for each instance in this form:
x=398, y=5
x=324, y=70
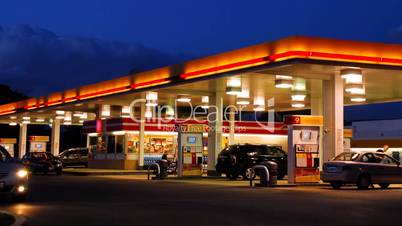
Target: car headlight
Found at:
x=22, y=173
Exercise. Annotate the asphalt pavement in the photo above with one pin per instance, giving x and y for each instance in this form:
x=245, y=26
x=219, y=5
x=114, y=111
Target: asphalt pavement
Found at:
x=131, y=200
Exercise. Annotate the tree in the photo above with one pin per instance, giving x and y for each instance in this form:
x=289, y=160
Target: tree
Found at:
x=8, y=95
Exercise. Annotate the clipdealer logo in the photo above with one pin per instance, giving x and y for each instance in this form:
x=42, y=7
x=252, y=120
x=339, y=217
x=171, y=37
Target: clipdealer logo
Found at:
x=164, y=114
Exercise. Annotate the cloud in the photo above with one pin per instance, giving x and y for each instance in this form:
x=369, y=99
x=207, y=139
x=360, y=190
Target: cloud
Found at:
x=37, y=61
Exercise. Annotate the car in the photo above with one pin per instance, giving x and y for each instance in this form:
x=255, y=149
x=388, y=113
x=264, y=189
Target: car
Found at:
x=42, y=162
x=239, y=159
x=363, y=169
x=14, y=177
x=74, y=157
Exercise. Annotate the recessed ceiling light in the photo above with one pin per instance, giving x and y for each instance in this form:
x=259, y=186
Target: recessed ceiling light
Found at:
x=358, y=98
x=352, y=76
x=12, y=124
x=298, y=97
x=183, y=98
x=298, y=104
x=242, y=101
x=283, y=83
x=259, y=108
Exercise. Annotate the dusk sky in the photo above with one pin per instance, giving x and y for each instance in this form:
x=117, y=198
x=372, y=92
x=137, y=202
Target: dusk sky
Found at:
x=169, y=31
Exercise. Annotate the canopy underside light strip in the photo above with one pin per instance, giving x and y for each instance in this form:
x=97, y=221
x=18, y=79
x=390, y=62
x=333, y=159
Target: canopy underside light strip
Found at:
x=292, y=55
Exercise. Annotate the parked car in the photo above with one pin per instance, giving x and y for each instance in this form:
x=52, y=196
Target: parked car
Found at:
x=42, y=162
x=74, y=157
x=238, y=160
x=362, y=169
x=14, y=177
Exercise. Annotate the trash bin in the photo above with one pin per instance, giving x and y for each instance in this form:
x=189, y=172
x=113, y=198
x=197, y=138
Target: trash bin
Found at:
x=268, y=172
x=163, y=167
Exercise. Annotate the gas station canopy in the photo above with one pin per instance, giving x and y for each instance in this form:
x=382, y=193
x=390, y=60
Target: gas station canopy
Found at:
x=305, y=59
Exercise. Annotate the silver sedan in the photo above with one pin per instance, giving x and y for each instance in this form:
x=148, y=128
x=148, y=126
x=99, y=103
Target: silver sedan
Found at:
x=363, y=169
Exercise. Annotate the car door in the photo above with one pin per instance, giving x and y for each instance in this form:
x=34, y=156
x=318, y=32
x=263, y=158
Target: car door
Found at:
x=84, y=156
x=390, y=169
x=370, y=165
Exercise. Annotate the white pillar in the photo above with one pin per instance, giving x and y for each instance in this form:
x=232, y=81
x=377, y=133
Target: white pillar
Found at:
x=232, y=126
x=22, y=140
x=316, y=104
x=55, y=142
x=141, y=136
x=333, y=117
x=215, y=132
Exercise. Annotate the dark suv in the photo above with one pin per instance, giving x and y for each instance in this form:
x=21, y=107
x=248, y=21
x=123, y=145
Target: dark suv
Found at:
x=238, y=160
x=75, y=157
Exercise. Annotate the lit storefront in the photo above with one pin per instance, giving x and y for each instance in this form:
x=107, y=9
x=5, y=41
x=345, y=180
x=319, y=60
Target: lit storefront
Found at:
x=121, y=148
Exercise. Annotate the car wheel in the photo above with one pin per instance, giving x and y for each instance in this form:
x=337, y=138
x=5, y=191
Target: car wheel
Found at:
x=363, y=182
x=249, y=174
x=384, y=185
x=336, y=185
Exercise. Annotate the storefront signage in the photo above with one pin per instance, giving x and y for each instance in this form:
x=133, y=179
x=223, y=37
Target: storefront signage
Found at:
x=39, y=138
x=8, y=140
x=316, y=120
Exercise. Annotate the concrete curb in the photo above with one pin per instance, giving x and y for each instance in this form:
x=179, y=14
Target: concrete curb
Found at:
x=19, y=220
x=102, y=173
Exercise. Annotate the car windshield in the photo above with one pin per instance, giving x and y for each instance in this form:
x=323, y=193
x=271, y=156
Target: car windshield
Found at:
x=5, y=156
x=347, y=156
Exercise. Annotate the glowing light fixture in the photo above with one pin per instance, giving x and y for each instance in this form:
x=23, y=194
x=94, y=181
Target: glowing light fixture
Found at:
x=148, y=113
x=242, y=101
x=12, y=124
x=67, y=117
x=259, y=108
x=358, y=98
x=81, y=121
x=59, y=117
x=67, y=123
x=58, y=112
x=125, y=110
x=26, y=118
x=298, y=96
x=205, y=102
x=84, y=115
x=40, y=120
x=13, y=117
x=152, y=96
x=77, y=114
x=233, y=86
x=151, y=103
x=183, y=98
x=298, y=104
x=26, y=122
x=105, y=110
x=283, y=81
x=352, y=76
x=355, y=88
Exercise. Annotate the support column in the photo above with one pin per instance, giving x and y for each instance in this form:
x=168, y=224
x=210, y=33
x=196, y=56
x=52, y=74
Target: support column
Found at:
x=316, y=104
x=333, y=117
x=22, y=140
x=232, y=126
x=141, y=136
x=215, y=132
x=55, y=142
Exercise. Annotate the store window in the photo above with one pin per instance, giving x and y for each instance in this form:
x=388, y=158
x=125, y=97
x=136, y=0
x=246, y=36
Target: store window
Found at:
x=132, y=143
x=120, y=144
x=111, y=142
